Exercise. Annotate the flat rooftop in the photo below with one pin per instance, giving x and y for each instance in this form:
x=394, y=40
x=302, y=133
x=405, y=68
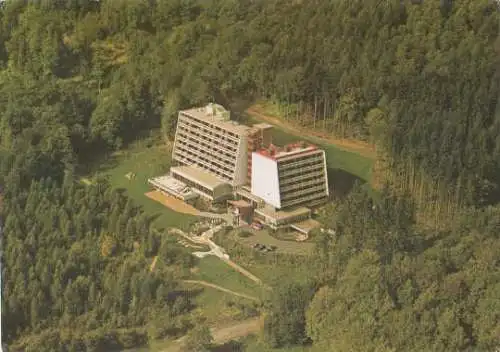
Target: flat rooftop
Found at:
x=218, y=116
x=282, y=214
x=198, y=176
x=289, y=150
x=262, y=126
x=168, y=182
x=305, y=226
x=240, y=203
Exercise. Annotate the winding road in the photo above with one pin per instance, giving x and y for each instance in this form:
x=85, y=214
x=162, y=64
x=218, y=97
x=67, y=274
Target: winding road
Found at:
x=220, y=288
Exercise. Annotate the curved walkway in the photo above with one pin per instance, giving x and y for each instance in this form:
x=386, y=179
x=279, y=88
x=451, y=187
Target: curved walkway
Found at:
x=216, y=250
x=220, y=288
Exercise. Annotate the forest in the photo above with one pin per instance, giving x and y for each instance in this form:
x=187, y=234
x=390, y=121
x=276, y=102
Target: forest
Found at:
x=416, y=270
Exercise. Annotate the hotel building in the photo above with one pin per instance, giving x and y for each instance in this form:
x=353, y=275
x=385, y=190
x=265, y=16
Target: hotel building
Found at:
x=218, y=159
x=208, y=140
x=292, y=176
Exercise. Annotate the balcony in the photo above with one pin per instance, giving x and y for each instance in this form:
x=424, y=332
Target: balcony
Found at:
x=303, y=185
x=316, y=196
x=311, y=160
x=221, y=153
x=212, y=167
x=208, y=138
x=289, y=180
x=301, y=170
x=298, y=192
x=216, y=130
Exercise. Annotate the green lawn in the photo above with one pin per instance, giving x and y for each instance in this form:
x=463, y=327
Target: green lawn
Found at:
x=214, y=270
x=336, y=158
x=344, y=167
x=216, y=306
x=145, y=159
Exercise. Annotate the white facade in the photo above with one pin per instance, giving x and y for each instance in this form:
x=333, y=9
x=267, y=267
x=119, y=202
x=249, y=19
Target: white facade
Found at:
x=265, y=180
x=295, y=176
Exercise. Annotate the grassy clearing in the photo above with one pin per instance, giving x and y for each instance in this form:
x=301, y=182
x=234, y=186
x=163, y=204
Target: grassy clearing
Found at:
x=336, y=158
x=217, y=307
x=270, y=266
x=142, y=160
x=214, y=270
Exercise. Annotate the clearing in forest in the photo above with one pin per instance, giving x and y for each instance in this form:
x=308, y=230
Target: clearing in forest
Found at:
x=345, y=165
x=141, y=161
x=363, y=148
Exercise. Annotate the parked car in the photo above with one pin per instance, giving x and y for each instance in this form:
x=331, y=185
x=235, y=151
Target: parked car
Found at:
x=257, y=226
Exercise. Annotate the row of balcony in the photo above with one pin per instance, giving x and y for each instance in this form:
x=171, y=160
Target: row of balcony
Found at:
x=302, y=177
x=221, y=153
x=303, y=185
x=303, y=162
x=302, y=191
x=212, y=166
x=221, y=133
x=207, y=124
x=301, y=171
x=303, y=200
x=213, y=138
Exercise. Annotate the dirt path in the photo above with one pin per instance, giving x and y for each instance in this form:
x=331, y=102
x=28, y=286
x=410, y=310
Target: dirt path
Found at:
x=360, y=147
x=220, y=288
x=243, y=271
x=224, y=334
x=153, y=264
x=219, y=252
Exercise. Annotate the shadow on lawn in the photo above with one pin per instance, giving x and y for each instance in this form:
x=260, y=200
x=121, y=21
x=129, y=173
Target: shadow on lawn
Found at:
x=341, y=182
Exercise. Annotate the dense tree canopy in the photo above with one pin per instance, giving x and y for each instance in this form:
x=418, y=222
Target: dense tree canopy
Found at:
x=421, y=81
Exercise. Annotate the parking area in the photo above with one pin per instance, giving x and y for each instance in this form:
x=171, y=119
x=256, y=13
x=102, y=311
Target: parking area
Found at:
x=264, y=238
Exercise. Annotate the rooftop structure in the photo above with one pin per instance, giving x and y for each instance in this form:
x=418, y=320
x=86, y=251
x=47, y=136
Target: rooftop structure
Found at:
x=259, y=136
x=290, y=150
x=218, y=116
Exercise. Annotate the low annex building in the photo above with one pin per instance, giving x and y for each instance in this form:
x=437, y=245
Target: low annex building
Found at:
x=202, y=182
x=169, y=185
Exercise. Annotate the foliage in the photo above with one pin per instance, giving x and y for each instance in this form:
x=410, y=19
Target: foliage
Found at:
x=284, y=324
x=69, y=263
x=199, y=339
x=79, y=79
x=387, y=285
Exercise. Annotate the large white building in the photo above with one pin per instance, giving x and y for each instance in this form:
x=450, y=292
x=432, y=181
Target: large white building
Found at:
x=207, y=139
x=292, y=176
x=217, y=158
